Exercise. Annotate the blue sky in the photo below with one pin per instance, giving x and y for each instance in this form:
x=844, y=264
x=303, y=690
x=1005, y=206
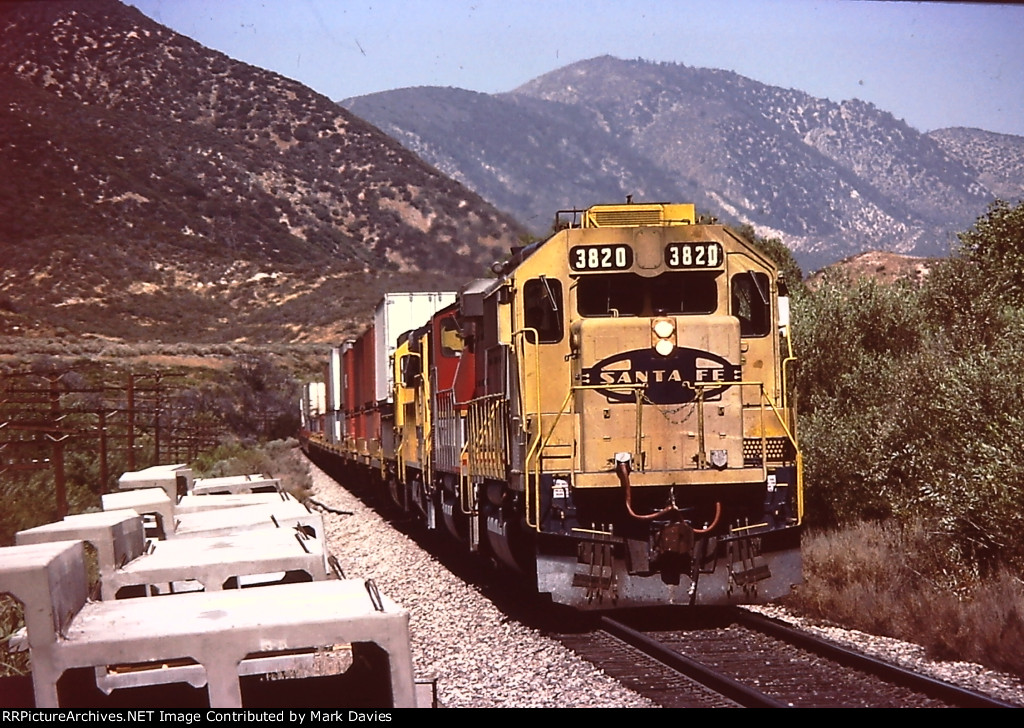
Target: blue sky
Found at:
x=932, y=64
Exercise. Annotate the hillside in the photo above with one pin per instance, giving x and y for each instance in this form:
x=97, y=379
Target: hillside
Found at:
x=829, y=179
x=876, y=265
x=151, y=188
x=997, y=159
x=527, y=156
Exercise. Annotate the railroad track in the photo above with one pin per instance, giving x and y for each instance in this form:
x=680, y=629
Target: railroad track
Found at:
x=734, y=658
x=708, y=640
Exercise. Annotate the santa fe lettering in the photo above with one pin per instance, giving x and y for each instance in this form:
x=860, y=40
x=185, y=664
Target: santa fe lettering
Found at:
x=711, y=374
x=641, y=377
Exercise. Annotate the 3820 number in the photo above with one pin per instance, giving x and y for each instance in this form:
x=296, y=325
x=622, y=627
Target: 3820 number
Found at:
x=600, y=257
x=693, y=255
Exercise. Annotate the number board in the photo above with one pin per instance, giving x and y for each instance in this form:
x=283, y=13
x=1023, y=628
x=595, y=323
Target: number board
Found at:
x=693, y=255
x=600, y=257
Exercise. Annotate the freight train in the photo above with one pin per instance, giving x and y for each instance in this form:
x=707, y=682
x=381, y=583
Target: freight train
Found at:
x=610, y=414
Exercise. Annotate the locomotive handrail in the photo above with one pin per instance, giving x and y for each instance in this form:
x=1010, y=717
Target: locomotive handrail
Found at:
x=521, y=339
x=540, y=443
x=789, y=433
x=532, y=491
x=791, y=436
x=427, y=446
x=789, y=358
x=465, y=480
x=521, y=336
x=483, y=429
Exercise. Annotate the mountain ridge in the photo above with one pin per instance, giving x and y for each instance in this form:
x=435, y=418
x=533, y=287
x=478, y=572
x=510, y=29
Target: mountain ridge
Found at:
x=152, y=188
x=830, y=179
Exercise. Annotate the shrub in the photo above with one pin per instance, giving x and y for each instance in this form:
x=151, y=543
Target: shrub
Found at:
x=275, y=459
x=892, y=579
x=911, y=401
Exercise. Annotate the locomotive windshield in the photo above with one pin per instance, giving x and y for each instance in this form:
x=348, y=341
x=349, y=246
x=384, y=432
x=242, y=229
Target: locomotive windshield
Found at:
x=627, y=294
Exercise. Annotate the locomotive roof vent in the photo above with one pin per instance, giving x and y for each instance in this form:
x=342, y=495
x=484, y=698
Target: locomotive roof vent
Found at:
x=660, y=214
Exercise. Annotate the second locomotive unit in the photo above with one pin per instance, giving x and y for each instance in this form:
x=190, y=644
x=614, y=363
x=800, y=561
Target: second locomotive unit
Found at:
x=609, y=415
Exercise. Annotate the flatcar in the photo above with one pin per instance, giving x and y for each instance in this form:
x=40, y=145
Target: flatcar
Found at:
x=609, y=415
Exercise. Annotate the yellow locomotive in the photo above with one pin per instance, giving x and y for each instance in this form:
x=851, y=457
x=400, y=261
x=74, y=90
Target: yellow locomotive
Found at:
x=609, y=414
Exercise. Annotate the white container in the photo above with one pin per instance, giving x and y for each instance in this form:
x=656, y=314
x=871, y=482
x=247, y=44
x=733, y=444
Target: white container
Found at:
x=335, y=381
x=395, y=314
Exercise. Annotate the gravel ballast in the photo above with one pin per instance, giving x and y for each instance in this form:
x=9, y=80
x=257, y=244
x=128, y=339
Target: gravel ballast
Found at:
x=479, y=657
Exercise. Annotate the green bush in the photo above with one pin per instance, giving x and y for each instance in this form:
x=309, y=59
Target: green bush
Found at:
x=275, y=459
x=911, y=401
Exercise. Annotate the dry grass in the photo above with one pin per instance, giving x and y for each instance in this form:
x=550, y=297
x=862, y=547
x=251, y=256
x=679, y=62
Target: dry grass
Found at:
x=12, y=619
x=904, y=583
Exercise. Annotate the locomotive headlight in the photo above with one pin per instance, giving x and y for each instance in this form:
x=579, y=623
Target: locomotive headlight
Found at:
x=664, y=347
x=663, y=335
x=664, y=328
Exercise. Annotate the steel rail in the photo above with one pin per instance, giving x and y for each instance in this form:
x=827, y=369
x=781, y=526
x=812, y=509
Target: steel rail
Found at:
x=930, y=686
x=737, y=691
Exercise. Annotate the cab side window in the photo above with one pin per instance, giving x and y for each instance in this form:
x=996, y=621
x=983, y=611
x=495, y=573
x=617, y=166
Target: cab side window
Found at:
x=751, y=303
x=452, y=341
x=542, y=310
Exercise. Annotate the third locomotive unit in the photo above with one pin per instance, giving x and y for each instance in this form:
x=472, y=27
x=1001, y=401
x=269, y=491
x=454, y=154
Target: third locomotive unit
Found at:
x=609, y=415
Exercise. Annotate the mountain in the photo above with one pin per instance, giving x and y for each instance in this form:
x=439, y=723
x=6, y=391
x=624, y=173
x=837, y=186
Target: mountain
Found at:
x=151, y=188
x=526, y=156
x=829, y=179
x=996, y=159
